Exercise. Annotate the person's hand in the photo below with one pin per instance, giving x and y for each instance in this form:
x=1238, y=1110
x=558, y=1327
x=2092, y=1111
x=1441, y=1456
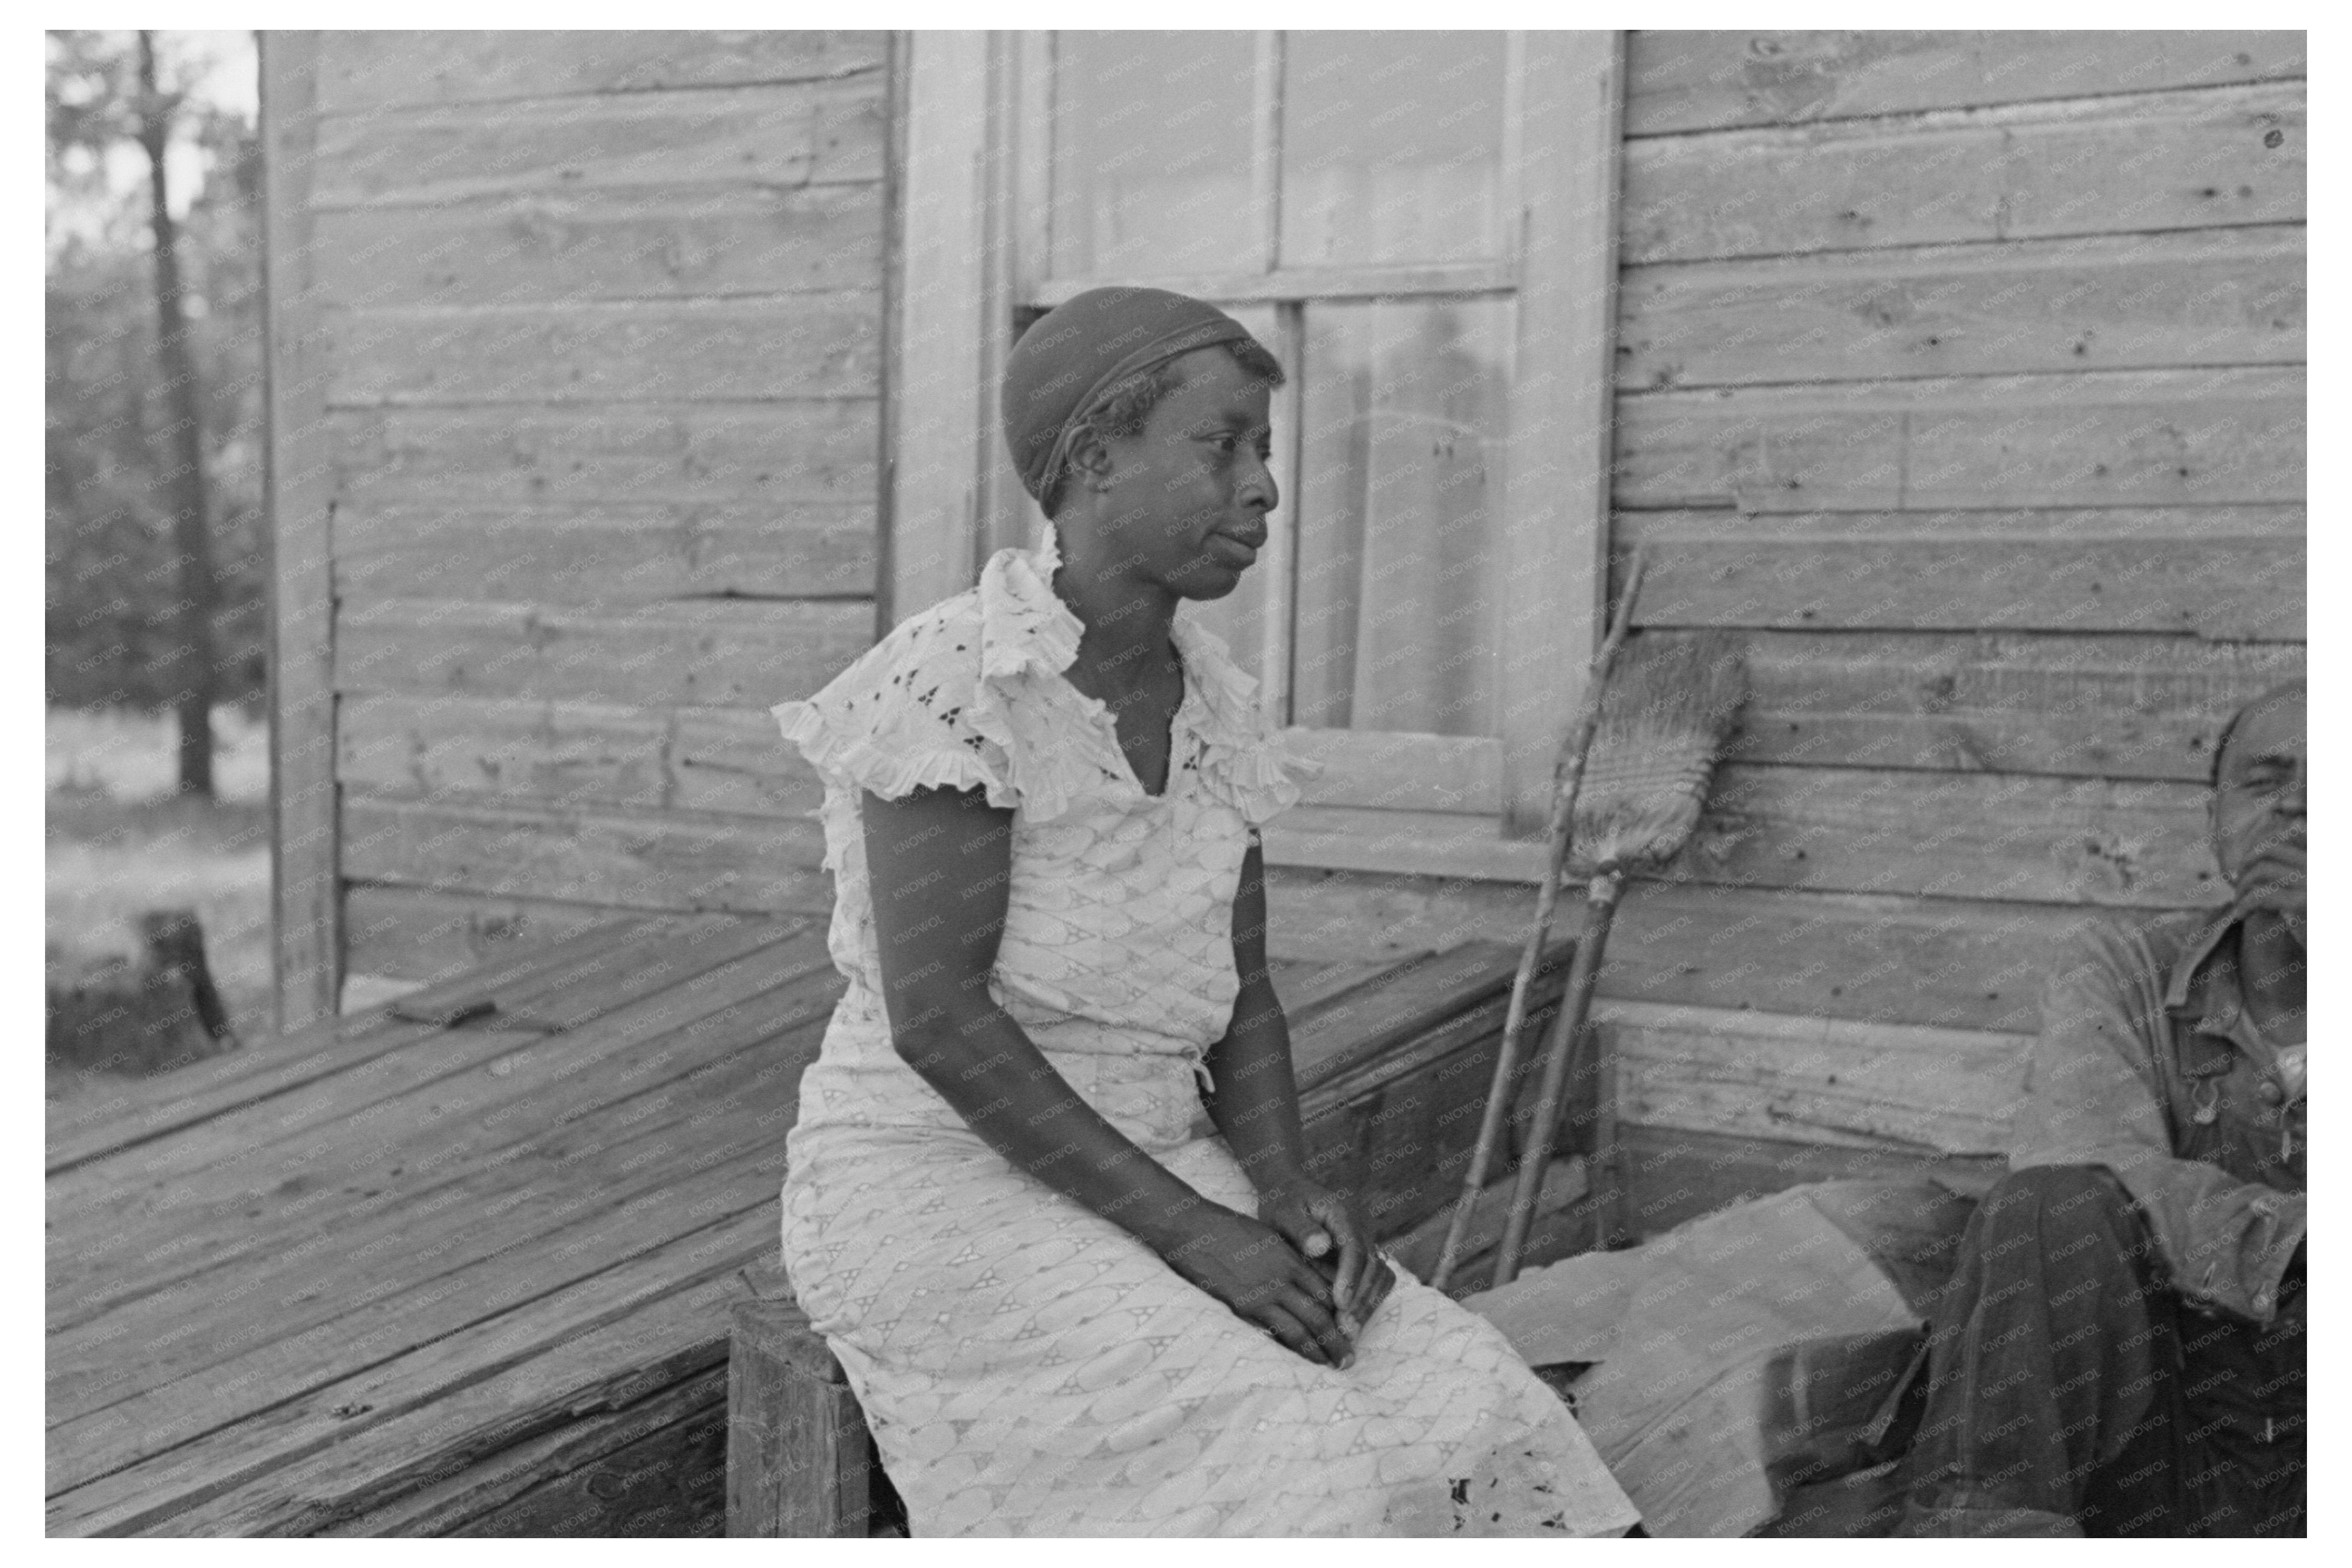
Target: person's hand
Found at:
x=2292, y=1293
x=1331, y=1230
x=1256, y=1270
x=2273, y=880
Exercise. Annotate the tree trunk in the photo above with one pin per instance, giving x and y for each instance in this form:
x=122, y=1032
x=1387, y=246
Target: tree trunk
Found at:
x=191, y=531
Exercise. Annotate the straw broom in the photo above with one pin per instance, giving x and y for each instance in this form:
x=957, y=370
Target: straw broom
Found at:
x=1658, y=727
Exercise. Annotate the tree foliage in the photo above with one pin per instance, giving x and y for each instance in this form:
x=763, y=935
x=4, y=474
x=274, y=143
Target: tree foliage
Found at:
x=111, y=565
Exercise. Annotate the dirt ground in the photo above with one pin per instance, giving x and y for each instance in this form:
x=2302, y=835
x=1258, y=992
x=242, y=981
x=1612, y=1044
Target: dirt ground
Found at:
x=121, y=843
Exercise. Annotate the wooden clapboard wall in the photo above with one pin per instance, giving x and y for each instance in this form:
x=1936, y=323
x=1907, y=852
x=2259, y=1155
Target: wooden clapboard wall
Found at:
x=602, y=321
x=1960, y=378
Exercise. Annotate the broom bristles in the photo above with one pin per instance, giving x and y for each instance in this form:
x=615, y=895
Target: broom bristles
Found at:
x=1669, y=709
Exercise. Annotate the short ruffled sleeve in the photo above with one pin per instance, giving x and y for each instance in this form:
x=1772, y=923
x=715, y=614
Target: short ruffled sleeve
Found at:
x=898, y=719
x=1262, y=777
x=1251, y=765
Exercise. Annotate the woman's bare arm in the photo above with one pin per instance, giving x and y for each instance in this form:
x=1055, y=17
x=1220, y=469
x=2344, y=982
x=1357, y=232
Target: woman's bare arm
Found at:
x=1255, y=1102
x=940, y=865
x=1254, y=1105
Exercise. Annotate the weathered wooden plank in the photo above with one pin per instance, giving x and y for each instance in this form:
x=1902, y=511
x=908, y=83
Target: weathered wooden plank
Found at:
x=2117, y=438
x=1955, y=835
x=1244, y=282
x=1997, y=526
x=1397, y=1125
x=457, y=748
x=1707, y=81
x=736, y=760
x=524, y=975
x=707, y=653
x=786, y=134
x=2249, y=589
x=773, y=453
x=700, y=351
x=663, y=948
x=1947, y=963
x=669, y=1482
x=534, y=1396
x=1946, y=834
x=603, y=555
x=364, y=70
x=104, y=1415
x=150, y=1111
x=166, y=1410
x=1392, y=771
x=365, y=1214
x=1397, y=1128
x=155, y=1195
x=2218, y=296
x=1415, y=996
x=260, y=1305
x=1362, y=916
x=1373, y=823
x=2204, y=158
x=791, y=947
x=1420, y=1128
x=1427, y=843
x=308, y=1464
x=417, y=934
x=1676, y=1174
x=305, y=880
x=652, y=860
x=1306, y=986
x=1951, y=962
x=1564, y=1183
x=607, y=1445
x=799, y=1453
x=704, y=242
x=1937, y=1091
x=2112, y=707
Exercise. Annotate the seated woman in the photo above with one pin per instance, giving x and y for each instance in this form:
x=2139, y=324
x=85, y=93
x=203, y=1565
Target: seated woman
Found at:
x=1061, y=1313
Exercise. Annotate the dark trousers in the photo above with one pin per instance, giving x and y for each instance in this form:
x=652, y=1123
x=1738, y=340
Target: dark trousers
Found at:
x=2071, y=1390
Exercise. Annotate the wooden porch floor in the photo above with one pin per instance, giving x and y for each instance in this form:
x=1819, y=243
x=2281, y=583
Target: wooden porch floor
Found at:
x=461, y=1264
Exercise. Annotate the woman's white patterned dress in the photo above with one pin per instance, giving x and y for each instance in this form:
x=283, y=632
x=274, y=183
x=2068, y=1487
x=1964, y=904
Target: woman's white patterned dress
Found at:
x=1027, y=1366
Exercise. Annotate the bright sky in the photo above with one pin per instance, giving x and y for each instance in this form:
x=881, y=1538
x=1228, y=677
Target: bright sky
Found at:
x=219, y=68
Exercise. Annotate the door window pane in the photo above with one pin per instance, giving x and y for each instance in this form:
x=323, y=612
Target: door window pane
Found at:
x=1239, y=616
x=1401, y=461
x=1391, y=147
x=1151, y=155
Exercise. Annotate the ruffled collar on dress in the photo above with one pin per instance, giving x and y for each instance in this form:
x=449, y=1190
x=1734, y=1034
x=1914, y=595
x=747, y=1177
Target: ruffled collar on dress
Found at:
x=1025, y=626
x=1026, y=629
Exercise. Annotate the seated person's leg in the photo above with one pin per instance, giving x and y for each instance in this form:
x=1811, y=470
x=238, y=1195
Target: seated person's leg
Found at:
x=2242, y=1395
x=2052, y=1384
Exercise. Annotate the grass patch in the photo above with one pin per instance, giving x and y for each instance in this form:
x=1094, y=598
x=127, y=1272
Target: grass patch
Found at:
x=120, y=844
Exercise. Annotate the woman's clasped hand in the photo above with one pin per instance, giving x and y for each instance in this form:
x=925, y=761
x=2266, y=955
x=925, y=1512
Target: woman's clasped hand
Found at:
x=1330, y=1230
x=1304, y=1272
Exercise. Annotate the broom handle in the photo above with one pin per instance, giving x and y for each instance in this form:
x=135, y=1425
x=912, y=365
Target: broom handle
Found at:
x=1606, y=1187
x=1568, y=779
x=1600, y=906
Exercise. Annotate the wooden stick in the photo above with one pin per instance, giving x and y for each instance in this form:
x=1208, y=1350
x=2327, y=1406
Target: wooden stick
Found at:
x=1568, y=778
x=1600, y=906
x=1606, y=1181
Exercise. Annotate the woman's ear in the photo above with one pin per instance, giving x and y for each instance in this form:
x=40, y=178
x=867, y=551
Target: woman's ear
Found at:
x=1090, y=459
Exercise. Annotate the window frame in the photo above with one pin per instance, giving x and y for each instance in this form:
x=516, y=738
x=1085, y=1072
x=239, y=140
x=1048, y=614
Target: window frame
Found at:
x=972, y=246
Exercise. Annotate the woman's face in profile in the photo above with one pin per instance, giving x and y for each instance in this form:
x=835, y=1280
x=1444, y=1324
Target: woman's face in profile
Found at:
x=1191, y=490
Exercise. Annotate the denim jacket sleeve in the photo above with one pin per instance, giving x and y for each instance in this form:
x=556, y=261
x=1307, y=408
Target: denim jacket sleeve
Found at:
x=2099, y=1093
